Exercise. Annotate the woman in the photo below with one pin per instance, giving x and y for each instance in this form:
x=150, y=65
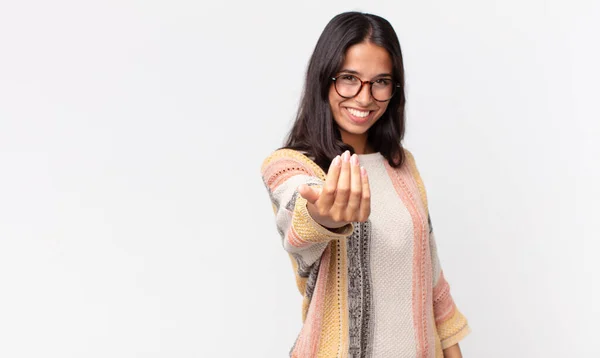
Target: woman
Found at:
x=362, y=245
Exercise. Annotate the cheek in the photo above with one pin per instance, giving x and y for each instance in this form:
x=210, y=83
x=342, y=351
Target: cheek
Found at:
x=332, y=98
x=381, y=110
x=334, y=102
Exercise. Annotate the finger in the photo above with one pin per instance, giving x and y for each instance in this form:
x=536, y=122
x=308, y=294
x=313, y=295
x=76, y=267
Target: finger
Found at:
x=365, y=204
x=310, y=194
x=355, y=198
x=328, y=193
x=343, y=184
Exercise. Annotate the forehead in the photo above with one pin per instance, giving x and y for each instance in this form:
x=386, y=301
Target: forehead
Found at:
x=367, y=59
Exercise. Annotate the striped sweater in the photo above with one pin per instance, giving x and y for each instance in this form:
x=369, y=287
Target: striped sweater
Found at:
x=373, y=289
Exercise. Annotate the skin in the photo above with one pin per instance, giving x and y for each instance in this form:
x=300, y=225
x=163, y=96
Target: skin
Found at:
x=453, y=352
x=346, y=197
x=368, y=62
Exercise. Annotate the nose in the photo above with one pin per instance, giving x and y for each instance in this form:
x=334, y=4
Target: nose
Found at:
x=364, y=97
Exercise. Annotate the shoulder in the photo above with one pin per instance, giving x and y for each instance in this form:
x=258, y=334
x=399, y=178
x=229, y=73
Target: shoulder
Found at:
x=408, y=156
x=412, y=167
x=284, y=163
x=410, y=163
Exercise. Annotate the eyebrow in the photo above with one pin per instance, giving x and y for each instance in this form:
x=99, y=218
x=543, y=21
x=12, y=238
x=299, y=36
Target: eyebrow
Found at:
x=352, y=72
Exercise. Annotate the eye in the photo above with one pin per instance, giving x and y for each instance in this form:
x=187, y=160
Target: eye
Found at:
x=347, y=78
x=384, y=81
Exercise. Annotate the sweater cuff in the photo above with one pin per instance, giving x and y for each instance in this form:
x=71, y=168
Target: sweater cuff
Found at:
x=310, y=231
x=453, y=330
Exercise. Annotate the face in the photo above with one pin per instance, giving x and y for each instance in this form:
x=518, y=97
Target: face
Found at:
x=354, y=116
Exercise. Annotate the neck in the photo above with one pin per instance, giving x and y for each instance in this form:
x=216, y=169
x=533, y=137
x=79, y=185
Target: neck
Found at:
x=358, y=142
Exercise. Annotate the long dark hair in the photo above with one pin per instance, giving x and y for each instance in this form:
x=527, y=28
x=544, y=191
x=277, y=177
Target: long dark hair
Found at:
x=315, y=132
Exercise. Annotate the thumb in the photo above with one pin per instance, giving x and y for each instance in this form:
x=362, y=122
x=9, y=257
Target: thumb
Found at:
x=310, y=194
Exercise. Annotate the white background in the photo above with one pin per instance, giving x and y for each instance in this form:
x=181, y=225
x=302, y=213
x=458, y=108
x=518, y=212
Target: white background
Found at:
x=133, y=220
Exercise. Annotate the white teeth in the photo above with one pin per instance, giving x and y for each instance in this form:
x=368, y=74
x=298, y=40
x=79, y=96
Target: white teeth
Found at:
x=358, y=113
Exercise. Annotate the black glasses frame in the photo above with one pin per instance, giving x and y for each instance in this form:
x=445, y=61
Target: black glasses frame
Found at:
x=362, y=83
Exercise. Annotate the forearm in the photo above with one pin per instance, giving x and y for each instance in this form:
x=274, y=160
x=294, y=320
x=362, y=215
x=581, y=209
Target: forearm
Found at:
x=453, y=352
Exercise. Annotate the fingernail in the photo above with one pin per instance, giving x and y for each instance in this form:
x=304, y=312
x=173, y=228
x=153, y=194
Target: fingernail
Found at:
x=363, y=171
x=346, y=156
x=354, y=159
x=336, y=160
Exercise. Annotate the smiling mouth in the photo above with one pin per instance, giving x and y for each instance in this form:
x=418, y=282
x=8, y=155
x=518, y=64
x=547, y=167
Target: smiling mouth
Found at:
x=358, y=113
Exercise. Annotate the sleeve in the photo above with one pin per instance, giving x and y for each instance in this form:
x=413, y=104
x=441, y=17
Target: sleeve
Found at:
x=301, y=235
x=452, y=326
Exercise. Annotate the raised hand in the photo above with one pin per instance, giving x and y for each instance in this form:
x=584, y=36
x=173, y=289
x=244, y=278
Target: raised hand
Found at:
x=345, y=197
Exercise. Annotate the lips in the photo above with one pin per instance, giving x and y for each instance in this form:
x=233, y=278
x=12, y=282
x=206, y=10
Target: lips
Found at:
x=358, y=113
x=358, y=116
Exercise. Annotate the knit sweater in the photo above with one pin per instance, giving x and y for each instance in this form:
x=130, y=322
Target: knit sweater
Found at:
x=373, y=289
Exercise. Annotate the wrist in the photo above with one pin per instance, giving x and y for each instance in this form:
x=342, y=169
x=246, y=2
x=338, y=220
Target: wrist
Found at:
x=324, y=222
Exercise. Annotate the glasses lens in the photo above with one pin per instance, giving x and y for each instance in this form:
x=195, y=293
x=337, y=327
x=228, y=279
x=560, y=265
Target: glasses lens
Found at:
x=347, y=85
x=383, y=89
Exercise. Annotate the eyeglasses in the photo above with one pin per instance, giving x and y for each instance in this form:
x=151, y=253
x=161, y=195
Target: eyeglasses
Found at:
x=348, y=86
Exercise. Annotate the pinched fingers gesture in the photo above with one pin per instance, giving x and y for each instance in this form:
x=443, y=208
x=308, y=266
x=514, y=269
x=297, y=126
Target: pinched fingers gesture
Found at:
x=345, y=196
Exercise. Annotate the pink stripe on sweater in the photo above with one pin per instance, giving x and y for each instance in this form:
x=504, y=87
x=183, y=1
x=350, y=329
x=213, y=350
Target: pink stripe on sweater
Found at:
x=443, y=304
x=281, y=170
x=422, y=300
x=295, y=240
x=307, y=344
